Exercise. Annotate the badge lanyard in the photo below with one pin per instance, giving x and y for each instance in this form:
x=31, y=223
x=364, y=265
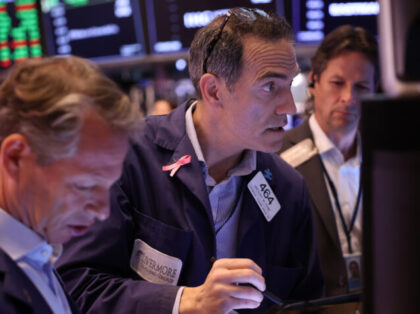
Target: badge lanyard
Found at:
x=348, y=230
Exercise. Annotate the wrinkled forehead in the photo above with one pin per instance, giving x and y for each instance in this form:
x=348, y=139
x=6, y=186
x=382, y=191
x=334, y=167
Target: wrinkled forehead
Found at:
x=351, y=64
x=100, y=145
x=262, y=55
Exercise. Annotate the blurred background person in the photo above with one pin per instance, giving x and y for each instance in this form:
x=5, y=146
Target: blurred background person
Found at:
x=64, y=130
x=163, y=106
x=326, y=148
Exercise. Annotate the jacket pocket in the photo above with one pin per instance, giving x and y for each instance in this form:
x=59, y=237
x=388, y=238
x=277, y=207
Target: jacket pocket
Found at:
x=162, y=237
x=159, y=250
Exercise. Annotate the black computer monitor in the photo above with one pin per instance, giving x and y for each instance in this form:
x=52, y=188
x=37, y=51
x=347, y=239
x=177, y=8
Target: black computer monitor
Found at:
x=399, y=32
x=391, y=210
x=313, y=19
x=173, y=23
x=20, y=33
x=100, y=30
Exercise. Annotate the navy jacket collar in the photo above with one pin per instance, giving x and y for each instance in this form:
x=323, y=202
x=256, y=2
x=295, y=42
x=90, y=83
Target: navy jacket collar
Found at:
x=170, y=129
x=169, y=132
x=18, y=287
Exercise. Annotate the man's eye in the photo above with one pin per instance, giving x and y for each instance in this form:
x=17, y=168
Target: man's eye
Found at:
x=363, y=87
x=337, y=83
x=82, y=187
x=268, y=87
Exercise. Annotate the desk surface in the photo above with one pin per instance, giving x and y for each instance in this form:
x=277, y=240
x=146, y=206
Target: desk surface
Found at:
x=348, y=308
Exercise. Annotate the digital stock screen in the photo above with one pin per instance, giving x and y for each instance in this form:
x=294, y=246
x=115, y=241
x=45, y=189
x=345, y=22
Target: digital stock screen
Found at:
x=20, y=35
x=173, y=23
x=313, y=19
x=104, y=31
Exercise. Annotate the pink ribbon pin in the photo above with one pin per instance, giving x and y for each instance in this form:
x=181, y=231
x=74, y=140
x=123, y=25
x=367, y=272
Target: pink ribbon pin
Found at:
x=184, y=160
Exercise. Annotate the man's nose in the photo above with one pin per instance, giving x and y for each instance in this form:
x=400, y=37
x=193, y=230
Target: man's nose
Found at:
x=347, y=95
x=288, y=105
x=100, y=208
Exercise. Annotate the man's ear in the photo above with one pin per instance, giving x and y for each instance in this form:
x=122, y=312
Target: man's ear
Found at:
x=311, y=78
x=210, y=88
x=13, y=150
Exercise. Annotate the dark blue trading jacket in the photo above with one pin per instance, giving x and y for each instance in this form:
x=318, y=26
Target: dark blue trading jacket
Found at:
x=173, y=215
x=17, y=292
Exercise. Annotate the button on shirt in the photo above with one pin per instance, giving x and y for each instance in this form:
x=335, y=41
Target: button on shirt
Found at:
x=35, y=257
x=346, y=178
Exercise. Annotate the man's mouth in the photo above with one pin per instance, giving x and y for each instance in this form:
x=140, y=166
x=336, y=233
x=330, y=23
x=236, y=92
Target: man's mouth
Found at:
x=276, y=129
x=77, y=230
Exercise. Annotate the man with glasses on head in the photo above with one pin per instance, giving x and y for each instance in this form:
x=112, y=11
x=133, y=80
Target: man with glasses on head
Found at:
x=204, y=219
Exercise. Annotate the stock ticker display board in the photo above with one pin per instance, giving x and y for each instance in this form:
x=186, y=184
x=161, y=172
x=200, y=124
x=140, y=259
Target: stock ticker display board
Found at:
x=173, y=23
x=104, y=31
x=107, y=31
x=313, y=19
x=20, y=34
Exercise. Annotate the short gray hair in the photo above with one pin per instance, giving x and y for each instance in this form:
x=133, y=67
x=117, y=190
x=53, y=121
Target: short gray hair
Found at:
x=225, y=60
x=45, y=100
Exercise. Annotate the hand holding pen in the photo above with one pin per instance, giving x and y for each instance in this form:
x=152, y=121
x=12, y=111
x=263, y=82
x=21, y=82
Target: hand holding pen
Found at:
x=267, y=294
x=232, y=284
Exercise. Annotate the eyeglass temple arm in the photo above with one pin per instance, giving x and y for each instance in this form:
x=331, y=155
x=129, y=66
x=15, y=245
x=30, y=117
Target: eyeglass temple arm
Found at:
x=214, y=41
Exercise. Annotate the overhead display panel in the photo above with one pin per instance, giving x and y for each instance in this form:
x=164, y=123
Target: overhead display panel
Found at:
x=173, y=23
x=104, y=31
x=313, y=19
x=20, y=34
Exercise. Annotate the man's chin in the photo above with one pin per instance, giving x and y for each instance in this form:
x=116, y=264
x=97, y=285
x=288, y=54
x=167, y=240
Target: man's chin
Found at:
x=269, y=149
x=64, y=235
x=60, y=239
x=345, y=127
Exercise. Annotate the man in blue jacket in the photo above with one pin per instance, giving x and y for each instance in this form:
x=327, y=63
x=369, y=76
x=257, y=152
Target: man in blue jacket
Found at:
x=203, y=218
x=64, y=130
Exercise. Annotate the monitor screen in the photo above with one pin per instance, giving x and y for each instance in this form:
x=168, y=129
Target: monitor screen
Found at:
x=173, y=23
x=20, y=35
x=391, y=215
x=313, y=19
x=101, y=30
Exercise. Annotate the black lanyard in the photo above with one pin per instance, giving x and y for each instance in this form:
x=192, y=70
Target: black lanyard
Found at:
x=348, y=230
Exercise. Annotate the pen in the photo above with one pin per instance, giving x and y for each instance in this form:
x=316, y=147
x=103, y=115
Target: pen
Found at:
x=267, y=294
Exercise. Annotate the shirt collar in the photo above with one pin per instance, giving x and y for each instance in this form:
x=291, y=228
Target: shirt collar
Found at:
x=19, y=242
x=192, y=134
x=326, y=146
x=247, y=164
x=322, y=142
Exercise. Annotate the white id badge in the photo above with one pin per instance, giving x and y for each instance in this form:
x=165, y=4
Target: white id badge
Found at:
x=264, y=196
x=299, y=153
x=154, y=266
x=354, y=271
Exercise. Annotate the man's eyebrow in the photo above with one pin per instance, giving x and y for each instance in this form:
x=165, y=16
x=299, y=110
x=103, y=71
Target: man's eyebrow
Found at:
x=278, y=75
x=336, y=76
x=272, y=75
x=339, y=77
